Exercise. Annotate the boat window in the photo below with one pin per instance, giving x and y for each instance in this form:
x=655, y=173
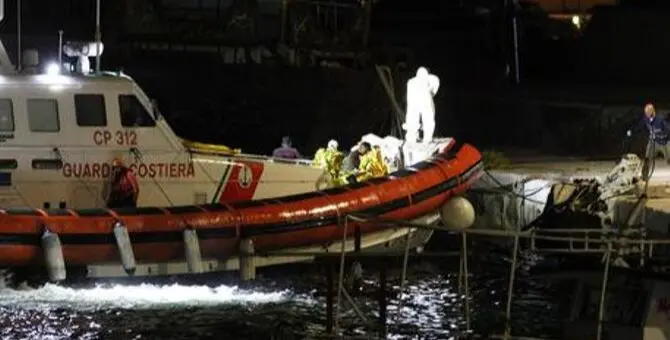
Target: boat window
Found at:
x=8, y=164
x=6, y=115
x=133, y=113
x=5, y=179
x=90, y=109
x=43, y=115
x=47, y=164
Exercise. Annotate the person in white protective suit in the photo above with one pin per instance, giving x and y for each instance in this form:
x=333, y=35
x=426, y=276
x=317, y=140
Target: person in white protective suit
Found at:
x=420, y=111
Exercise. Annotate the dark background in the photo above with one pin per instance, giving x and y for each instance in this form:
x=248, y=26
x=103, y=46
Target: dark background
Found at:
x=579, y=89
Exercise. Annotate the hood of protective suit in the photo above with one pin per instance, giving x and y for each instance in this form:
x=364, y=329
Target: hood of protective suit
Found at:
x=422, y=72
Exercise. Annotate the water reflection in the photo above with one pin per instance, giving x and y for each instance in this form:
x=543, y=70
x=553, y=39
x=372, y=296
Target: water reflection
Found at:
x=139, y=296
x=431, y=306
x=142, y=311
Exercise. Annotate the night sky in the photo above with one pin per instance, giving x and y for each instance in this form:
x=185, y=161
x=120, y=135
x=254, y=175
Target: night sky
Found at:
x=469, y=44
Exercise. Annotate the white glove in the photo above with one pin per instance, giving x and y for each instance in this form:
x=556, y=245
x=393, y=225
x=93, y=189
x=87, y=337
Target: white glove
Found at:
x=629, y=133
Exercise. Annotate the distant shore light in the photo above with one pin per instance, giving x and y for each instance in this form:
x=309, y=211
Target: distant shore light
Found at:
x=577, y=21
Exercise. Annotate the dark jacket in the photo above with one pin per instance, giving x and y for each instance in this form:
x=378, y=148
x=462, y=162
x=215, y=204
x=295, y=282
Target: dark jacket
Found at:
x=286, y=152
x=351, y=162
x=657, y=128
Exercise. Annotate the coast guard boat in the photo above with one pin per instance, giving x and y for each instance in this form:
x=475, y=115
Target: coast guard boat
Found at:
x=199, y=204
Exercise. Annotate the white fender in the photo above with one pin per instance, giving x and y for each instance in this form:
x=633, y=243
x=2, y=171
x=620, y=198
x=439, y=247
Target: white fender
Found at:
x=192, y=251
x=125, y=248
x=53, y=256
x=458, y=213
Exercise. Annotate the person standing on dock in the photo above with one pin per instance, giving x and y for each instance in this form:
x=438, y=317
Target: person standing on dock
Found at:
x=123, y=187
x=658, y=131
x=286, y=150
x=420, y=112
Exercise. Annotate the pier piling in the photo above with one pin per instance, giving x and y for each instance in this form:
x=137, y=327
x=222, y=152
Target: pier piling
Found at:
x=383, y=302
x=330, y=287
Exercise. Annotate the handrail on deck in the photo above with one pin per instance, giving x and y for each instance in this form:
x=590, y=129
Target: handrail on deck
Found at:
x=222, y=150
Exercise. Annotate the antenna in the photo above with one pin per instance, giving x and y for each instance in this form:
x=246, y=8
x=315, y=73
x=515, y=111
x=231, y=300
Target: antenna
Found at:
x=98, y=36
x=18, y=34
x=60, y=50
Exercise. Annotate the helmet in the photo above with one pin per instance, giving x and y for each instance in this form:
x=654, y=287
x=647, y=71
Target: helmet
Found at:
x=422, y=72
x=117, y=162
x=332, y=144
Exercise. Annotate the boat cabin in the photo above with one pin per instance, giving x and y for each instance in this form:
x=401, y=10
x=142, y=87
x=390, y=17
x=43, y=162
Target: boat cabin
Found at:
x=60, y=133
x=106, y=111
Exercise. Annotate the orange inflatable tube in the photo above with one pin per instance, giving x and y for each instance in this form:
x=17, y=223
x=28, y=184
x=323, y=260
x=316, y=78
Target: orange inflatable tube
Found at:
x=312, y=218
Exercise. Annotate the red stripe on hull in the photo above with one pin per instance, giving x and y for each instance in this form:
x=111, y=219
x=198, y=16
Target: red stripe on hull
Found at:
x=242, y=182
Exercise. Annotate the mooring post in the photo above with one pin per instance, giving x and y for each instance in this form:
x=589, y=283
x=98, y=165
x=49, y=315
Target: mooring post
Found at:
x=247, y=260
x=330, y=282
x=382, y=299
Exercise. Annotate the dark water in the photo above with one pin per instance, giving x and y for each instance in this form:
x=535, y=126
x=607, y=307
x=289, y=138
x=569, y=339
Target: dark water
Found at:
x=283, y=306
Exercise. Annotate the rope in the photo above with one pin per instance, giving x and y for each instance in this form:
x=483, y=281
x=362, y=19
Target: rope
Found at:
x=506, y=189
x=510, y=191
x=138, y=156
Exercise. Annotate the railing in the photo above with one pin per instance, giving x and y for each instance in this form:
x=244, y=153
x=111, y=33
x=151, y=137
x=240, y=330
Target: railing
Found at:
x=610, y=243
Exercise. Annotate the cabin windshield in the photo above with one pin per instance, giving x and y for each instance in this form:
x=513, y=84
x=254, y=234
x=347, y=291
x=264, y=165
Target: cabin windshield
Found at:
x=133, y=113
x=90, y=110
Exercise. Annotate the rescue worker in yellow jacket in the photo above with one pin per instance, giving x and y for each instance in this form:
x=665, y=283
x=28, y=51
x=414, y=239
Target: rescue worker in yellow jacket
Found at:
x=329, y=159
x=372, y=165
x=381, y=167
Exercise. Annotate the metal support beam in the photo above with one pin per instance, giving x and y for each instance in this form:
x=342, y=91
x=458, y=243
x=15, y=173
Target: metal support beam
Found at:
x=466, y=279
x=19, y=62
x=330, y=277
x=60, y=50
x=383, y=293
x=603, y=294
x=510, y=288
